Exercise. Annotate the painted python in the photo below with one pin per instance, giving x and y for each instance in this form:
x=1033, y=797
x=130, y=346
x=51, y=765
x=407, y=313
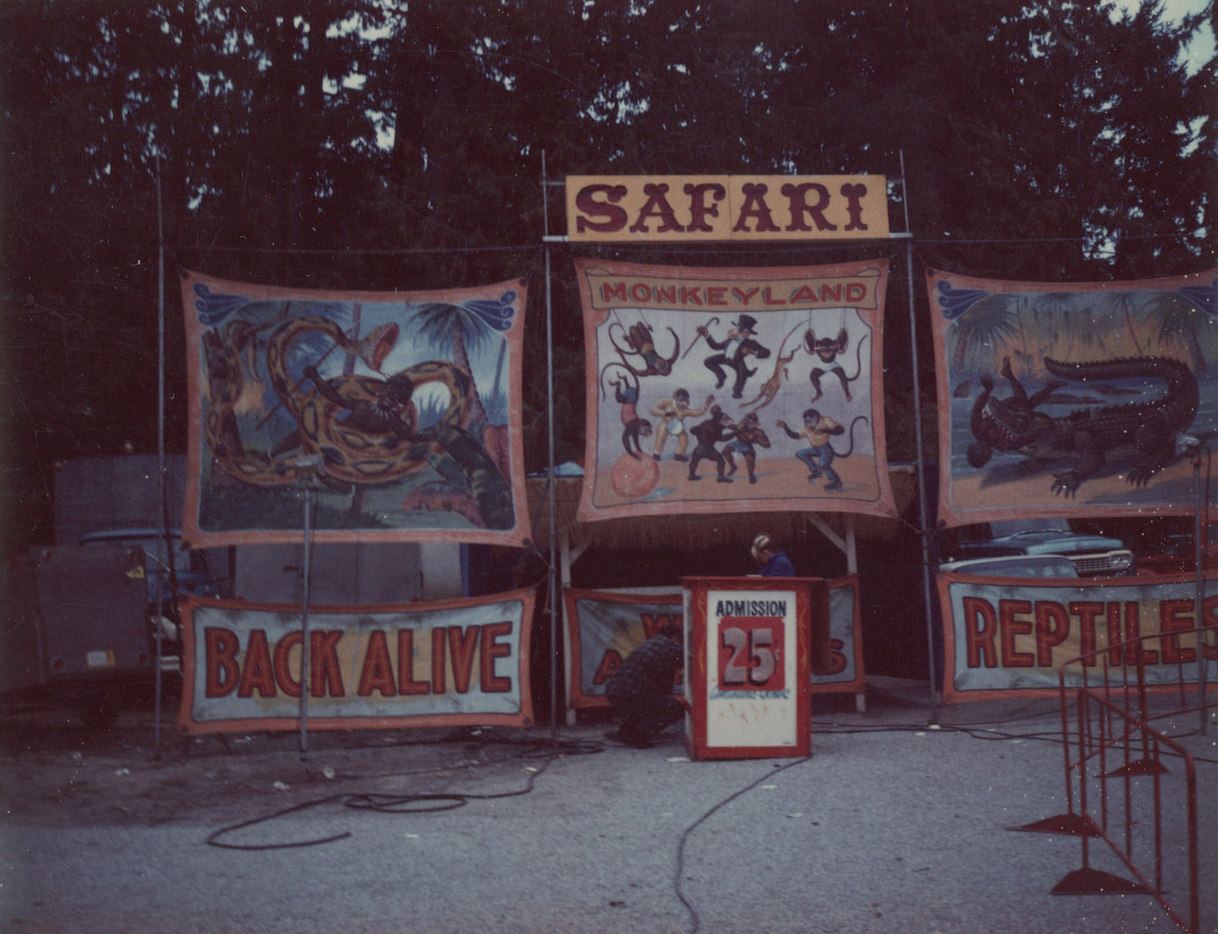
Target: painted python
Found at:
x=337, y=418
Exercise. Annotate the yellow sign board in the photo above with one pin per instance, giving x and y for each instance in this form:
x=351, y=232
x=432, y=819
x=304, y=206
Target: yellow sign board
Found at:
x=726, y=207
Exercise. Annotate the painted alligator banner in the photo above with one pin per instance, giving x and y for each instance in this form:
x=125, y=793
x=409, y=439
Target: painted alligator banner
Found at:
x=732, y=390
x=400, y=409
x=444, y=663
x=1071, y=399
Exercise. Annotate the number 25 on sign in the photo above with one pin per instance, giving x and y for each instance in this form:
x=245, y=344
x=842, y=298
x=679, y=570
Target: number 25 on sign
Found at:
x=750, y=654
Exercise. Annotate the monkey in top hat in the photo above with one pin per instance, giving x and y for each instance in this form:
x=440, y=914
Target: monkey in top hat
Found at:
x=734, y=352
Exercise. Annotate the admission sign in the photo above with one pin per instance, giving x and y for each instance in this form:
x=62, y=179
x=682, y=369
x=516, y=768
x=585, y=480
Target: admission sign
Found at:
x=670, y=208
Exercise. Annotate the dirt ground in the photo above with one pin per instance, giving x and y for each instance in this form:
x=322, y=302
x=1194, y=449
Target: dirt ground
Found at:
x=55, y=770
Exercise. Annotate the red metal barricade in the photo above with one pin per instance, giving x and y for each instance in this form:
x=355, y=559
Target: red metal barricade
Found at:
x=1128, y=783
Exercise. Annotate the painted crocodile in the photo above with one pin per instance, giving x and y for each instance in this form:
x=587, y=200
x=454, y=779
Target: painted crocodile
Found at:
x=1140, y=434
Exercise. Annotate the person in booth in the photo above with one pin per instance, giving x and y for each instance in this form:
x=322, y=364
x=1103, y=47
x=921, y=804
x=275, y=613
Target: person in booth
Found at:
x=640, y=692
x=773, y=560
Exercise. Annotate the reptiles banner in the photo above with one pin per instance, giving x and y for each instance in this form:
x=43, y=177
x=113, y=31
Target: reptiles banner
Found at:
x=733, y=390
x=1005, y=637
x=454, y=662
x=1068, y=400
x=401, y=409
x=604, y=626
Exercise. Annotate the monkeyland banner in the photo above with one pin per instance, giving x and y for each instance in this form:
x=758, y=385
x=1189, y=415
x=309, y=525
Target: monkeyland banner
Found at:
x=1069, y=400
x=733, y=390
x=454, y=662
x=400, y=409
x=1006, y=637
x=603, y=627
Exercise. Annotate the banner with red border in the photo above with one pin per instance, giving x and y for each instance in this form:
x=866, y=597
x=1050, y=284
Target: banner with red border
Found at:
x=401, y=410
x=1008, y=637
x=716, y=390
x=443, y=663
x=1071, y=399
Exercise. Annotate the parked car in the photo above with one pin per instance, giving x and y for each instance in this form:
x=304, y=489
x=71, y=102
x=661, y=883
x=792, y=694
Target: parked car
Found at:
x=1091, y=555
x=1042, y=566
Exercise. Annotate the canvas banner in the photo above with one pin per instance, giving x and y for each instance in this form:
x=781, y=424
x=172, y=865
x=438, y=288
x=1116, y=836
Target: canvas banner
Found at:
x=400, y=409
x=444, y=663
x=605, y=626
x=1068, y=400
x=1006, y=637
x=716, y=390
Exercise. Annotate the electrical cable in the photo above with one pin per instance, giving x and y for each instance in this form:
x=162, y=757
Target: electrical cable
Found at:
x=680, y=857
x=413, y=803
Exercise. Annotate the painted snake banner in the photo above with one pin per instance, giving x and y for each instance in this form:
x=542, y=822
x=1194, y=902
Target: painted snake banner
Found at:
x=400, y=409
x=1065, y=400
x=733, y=390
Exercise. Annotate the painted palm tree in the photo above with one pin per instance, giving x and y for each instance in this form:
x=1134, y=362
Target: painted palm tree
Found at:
x=460, y=328
x=1178, y=322
x=985, y=325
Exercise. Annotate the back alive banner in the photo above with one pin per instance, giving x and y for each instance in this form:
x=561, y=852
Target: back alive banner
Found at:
x=447, y=663
x=603, y=627
x=1006, y=637
x=400, y=409
x=733, y=390
x=1069, y=400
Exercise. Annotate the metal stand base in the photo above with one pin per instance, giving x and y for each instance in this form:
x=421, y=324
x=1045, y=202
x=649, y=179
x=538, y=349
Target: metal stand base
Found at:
x=1096, y=882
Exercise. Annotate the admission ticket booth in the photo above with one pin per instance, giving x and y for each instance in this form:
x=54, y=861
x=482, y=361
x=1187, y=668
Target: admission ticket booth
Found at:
x=749, y=655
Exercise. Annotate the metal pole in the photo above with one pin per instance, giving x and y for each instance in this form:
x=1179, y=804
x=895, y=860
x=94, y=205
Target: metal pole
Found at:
x=552, y=593
x=305, y=639
x=1200, y=540
x=160, y=447
x=919, y=462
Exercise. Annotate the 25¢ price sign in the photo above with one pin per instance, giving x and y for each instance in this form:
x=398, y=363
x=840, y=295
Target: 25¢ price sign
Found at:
x=751, y=654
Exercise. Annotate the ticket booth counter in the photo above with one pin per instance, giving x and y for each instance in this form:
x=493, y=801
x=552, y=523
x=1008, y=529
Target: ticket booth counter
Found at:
x=749, y=643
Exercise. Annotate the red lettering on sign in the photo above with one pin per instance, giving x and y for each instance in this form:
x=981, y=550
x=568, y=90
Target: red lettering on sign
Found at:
x=1176, y=616
x=462, y=646
x=611, y=293
x=744, y=296
x=980, y=627
x=653, y=622
x=769, y=299
x=283, y=676
x=610, y=662
x=691, y=295
x=588, y=203
x=854, y=196
x=1013, y=625
x=492, y=649
x=755, y=207
x=257, y=673
x=438, y=681
x=656, y=206
x=377, y=672
x=716, y=295
x=699, y=210
x=220, y=651
x=325, y=675
x=798, y=205
x=406, y=682
x=1052, y=628
x=1087, y=614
